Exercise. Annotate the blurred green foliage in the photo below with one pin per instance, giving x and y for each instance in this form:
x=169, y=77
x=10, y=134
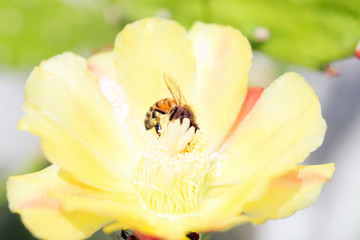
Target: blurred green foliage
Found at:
x=306, y=32
x=32, y=30
x=11, y=227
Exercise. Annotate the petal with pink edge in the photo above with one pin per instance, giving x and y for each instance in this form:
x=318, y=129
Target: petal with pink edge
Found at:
x=223, y=59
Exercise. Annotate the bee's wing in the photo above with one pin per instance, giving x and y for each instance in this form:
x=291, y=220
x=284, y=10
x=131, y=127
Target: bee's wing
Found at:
x=174, y=90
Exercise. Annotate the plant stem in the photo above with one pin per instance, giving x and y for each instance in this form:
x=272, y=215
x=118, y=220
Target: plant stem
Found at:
x=205, y=236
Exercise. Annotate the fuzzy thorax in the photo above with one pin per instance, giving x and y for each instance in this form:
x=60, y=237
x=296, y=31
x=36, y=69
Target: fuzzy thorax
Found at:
x=171, y=172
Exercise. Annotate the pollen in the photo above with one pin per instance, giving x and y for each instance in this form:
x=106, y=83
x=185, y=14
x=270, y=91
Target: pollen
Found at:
x=171, y=171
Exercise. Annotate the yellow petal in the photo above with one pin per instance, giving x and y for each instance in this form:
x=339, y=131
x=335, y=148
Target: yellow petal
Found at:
x=53, y=192
x=145, y=50
x=50, y=224
x=29, y=195
x=128, y=216
x=77, y=126
x=223, y=59
x=125, y=208
x=103, y=66
x=284, y=126
x=292, y=191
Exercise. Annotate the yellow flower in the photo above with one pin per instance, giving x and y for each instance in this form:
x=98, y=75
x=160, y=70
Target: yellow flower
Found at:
x=239, y=167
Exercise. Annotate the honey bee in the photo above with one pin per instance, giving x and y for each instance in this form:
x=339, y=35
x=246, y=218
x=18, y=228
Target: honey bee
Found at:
x=175, y=108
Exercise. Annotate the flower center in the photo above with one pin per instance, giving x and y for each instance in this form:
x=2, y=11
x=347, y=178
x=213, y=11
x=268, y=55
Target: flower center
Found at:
x=171, y=172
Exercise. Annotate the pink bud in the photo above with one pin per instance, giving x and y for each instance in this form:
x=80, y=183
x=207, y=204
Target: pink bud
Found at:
x=357, y=50
x=331, y=71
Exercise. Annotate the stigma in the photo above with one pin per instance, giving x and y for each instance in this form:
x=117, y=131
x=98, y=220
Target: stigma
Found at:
x=172, y=170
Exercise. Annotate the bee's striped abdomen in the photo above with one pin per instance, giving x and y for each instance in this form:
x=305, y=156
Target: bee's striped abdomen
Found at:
x=163, y=106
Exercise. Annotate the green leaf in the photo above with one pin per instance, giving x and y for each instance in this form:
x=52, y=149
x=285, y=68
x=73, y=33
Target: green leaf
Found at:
x=33, y=30
x=205, y=236
x=306, y=32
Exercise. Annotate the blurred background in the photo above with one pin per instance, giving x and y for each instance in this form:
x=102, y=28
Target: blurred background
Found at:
x=317, y=38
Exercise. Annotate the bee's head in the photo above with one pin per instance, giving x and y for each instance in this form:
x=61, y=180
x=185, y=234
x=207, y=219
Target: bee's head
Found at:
x=183, y=112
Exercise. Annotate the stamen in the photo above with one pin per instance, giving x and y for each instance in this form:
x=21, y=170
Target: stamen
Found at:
x=184, y=126
x=185, y=139
x=178, y=136
x=171, y=172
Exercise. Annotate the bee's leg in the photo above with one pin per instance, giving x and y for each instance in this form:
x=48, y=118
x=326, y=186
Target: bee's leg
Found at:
x=158, y=129
x=157, y=125
x=195, y=126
